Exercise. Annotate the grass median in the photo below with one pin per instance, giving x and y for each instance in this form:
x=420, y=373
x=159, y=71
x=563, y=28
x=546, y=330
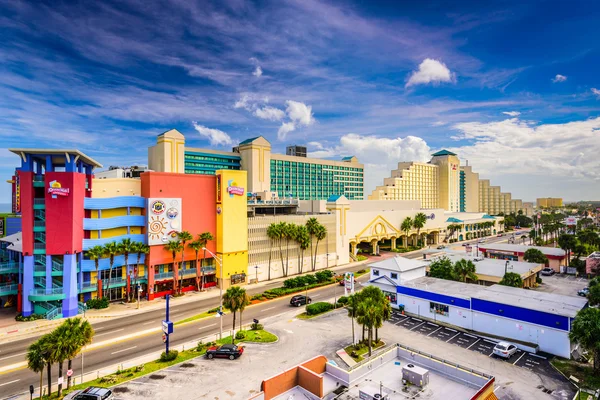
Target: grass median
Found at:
x=125, y=375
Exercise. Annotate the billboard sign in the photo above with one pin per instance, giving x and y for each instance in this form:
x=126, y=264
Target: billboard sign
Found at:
x=164, y=220
x=2, y=226
x=17, y=191
x=55, y=189
x=348, y=283
x=219, y=188
x=234, y=189
x=571, y=221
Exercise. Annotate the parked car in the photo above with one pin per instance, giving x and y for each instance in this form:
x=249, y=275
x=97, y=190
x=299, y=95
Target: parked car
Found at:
x=584, y=292
x=300, y=300
x=504, y=349
x=441, y=247
x=500, y=234
x=91, y=393
x=547, y=271
x=342, y=281
x=481, y=241
x=230, y=351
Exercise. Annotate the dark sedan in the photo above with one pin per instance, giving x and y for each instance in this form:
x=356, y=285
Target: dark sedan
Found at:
x=300, y=300
x=230, y=351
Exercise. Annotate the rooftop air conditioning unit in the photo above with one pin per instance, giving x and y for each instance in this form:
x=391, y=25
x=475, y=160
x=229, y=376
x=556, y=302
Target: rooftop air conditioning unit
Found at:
x=416, y=375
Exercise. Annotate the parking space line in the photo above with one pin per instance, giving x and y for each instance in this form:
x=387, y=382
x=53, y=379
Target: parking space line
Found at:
x=519, y=358
x=535, y=355
x=416, y=326
x=489, y=341
x=398, y=323
x=489, y=355
x=429, y=323
x=418, y=320
x=435, y=331
x=453, y=330
x=474, y=337
x=472, y=344
x=452, y=337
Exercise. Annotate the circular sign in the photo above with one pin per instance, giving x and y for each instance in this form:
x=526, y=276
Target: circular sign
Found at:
x=174, y=224
x=164, y=338
x=158, y=206
x=172, y=213
x=219, y=210
x=69, y=372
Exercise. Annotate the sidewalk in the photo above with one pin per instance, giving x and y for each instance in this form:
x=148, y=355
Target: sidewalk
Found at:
x=22, y=330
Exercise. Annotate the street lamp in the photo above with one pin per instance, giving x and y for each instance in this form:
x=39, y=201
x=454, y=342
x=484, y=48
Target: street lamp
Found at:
x=306, y=299
x=213, y=255
x=256, y=269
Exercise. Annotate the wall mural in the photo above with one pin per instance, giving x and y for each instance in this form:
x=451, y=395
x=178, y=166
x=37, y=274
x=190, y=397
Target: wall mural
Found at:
x=164, y=220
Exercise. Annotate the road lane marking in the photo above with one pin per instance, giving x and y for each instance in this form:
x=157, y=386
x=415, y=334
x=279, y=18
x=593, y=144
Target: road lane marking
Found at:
x=519, y=358
x=473, y=343
x=207, y=326
x=108, y=333
x=316, y=295
x=452, y=337
x=435, y=331
x=14, y=355
x=8, y=383
x=151, y=322
x=416, y=326
x=267, y=309
x=97, y=329
x=120, y=351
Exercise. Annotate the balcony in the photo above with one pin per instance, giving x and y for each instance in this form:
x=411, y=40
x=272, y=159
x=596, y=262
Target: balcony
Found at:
x=116, y=282
x=209, y=270
x=39, y=226
x=39, y=204
x=41, y=294
x=89, y=287
x=11, y=267
x=38, y=181
x=39, y=248
x=163, y=275
x=189, y=272
x=5, y=290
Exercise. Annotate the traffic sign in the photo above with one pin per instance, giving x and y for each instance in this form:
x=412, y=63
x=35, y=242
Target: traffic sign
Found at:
x=167, y=327
x=164, y=338
x=60, y=380
x=70, y=372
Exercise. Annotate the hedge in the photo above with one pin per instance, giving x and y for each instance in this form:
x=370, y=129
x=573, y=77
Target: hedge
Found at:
x=164, y=357
x=97, y=303
x=310, y=279
x=318, y=308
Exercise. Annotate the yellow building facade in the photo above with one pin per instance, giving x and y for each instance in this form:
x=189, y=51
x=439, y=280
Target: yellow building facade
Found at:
x=549, y=202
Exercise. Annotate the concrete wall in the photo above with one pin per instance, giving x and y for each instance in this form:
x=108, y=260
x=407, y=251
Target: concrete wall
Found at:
x=310, y=381
x=305, y=375
x=458, y=316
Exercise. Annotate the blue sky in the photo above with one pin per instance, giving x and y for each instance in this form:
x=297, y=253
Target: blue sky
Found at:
x=514, y=89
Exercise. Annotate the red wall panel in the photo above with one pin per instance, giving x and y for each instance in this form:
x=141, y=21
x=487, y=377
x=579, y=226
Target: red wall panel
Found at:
x=198, y=194
x=64, y=214
x=26, y=182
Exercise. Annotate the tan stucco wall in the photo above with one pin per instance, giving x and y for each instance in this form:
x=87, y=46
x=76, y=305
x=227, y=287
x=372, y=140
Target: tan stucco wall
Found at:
x=102, y=188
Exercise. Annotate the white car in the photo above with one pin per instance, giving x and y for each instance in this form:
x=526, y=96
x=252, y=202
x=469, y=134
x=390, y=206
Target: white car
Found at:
x=504, y=349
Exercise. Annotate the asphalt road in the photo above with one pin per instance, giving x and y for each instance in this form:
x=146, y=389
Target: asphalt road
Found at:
x=18, y=381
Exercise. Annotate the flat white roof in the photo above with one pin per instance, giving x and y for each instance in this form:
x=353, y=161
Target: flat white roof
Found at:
x=493, y=267
x=17, y=241
x=442, y=286
x=400, y=264
x=549, y=251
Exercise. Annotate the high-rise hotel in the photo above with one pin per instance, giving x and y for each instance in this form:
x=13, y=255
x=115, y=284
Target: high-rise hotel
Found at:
x=444, y=183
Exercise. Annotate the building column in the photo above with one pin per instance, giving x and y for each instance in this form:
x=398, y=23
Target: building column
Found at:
x=48, y=273
x=150, y=290
x=393, y=243
x=27, y=285
x=70, y=285
x=374, y=246
x=353, y=245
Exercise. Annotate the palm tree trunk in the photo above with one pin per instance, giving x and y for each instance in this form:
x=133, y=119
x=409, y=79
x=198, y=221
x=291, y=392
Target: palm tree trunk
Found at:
x=281, y=256
x=241, y=319
x=60, y=370
x=49, y=380
x=316, y=251
x=301, y=261
x=69, y=365
x=287, y=256
x=311, y=253
x=232, y=335
x=363, y=333
x=353, y=338
x=370, y=336
x=376, y=335
x=182, y=264
x=202, y=272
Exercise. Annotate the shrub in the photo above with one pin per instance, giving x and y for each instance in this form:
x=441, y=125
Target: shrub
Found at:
x=361, y=271
x=323, y=276
x=97, y=304
x=361, y=258
x=139, y=368
x=32, y=317
x=538, y=280
x=256, y=327
x=343, y=300
x=318, y=308
x=110, y=379
x=213, y=310
x=240, y=335
x=164, y=357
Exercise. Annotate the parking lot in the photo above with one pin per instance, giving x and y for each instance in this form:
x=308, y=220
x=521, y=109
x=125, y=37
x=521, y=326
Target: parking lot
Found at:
x=536, y=363
x=563, y=284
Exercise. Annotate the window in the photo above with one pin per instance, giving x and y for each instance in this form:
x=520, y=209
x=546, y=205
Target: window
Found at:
x=440, y=309
x=390, y=296
x=394, y=275
x=375, y=272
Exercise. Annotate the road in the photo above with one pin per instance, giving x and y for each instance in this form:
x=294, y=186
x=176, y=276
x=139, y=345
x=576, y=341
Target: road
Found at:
x=117, y=351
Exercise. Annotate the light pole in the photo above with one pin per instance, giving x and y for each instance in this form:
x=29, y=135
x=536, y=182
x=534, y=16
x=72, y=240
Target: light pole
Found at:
x=256, y=269
x=220, y=290
x=306, y=302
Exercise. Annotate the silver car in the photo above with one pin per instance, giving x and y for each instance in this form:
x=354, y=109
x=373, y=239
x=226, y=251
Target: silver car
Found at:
x=504, y=349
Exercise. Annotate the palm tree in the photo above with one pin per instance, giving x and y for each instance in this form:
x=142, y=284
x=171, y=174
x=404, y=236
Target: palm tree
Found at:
x=368, y=312
x=419, y=223
x=184, y=237
x=352, y=306
x=244, y=301
x=126, y=246
x=273, y=235
x=96, y=253
x=465, y=269
x=174, y=247
x=60, y=350
x=81, y=334
x=384, y=315
x=36, y=360
x=288, y=232
x=111, y=249
x=585, y=330
x=312, y=226
x=204, y=238
x=320, y=234
x=303, y=239
x=197, y=245
x=233, y=298
x=139, y=248
x=47, y=345
x=405, y=227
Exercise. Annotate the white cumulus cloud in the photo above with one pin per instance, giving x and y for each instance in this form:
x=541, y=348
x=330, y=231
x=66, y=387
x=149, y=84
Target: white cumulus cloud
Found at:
x=559, y=78
x=596, y=92
x=299, y=112
x=270, y=113
x=284, y=129
x=243, y=102
x=215, y=136
x=430, y=71
x=512, y=113
x=257, y=71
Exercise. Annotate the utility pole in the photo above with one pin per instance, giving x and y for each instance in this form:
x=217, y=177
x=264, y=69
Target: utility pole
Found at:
x=167, y=319
x=220, y=289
